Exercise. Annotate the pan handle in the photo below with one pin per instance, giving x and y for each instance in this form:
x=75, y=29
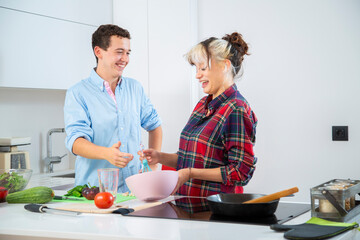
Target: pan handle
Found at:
x=274, y=196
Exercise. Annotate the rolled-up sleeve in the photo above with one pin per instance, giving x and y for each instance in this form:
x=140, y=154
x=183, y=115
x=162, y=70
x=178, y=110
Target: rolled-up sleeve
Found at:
x=239, y=138
x=77, y=120
x=150, y=119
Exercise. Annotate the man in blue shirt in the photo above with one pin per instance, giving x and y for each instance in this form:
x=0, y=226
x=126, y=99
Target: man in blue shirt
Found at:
x=103, y=113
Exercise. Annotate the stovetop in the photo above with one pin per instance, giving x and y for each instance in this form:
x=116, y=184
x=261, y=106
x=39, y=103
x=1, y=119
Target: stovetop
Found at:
x=188, y=208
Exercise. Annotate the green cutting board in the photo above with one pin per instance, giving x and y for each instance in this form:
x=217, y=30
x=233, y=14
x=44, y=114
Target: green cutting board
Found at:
x=119, y=198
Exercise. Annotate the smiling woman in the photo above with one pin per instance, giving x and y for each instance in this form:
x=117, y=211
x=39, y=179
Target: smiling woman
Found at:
x=216, y=145
x=222, y=125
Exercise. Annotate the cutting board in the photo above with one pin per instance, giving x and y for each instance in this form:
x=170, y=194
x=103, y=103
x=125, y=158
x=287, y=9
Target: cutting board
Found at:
x=88, y=208
x=91, y=208
x=119, y=198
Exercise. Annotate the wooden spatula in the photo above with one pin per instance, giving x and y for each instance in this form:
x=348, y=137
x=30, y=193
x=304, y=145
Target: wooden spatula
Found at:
x=274, y=196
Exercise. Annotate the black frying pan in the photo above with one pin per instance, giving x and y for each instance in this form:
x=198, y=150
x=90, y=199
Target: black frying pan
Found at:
x=231, y=204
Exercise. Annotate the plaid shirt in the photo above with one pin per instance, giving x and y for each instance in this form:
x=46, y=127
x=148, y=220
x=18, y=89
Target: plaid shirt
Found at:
x=219, y=133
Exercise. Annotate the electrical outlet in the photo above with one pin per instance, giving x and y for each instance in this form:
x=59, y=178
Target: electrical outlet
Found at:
x=340, y=133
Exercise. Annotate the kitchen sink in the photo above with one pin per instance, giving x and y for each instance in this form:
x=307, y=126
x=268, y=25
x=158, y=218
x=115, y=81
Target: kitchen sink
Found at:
x=63, y=187
x=67, y=175
x=57, y=181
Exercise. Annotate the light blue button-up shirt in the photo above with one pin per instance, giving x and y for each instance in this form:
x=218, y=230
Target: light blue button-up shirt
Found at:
x=91, y=113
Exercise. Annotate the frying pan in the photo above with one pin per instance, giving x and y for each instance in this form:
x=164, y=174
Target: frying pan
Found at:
x=231, y=204
x=247, y=205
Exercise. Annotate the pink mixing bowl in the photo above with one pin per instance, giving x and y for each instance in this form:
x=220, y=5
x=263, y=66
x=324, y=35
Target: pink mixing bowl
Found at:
x=152, y=186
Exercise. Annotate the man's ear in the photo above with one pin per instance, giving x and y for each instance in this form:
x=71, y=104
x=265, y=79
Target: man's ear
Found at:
x=98, y=52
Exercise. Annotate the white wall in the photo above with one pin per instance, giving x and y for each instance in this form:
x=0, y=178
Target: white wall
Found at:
x=301, y=78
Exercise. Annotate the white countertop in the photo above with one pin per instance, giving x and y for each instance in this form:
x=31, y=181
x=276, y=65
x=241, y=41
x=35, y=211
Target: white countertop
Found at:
x=51, y=180
x=17, y=223
x=21, y=224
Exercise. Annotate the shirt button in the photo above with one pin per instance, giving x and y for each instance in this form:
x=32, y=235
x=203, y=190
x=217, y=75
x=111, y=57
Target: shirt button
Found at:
x=122, y=128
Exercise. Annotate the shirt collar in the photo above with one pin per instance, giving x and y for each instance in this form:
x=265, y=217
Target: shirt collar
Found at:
x=98, y=81
x=213, y=104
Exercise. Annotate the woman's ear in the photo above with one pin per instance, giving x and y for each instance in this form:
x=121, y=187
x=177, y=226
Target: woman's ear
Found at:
x=227, y=65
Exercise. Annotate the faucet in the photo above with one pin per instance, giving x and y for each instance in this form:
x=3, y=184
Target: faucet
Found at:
x=50, y=159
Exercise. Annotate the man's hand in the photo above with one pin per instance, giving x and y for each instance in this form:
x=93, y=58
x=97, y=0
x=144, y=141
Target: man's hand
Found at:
x=117, y=158
x=112, y=154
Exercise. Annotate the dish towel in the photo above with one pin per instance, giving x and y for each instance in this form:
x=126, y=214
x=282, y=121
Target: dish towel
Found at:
x=315, y=228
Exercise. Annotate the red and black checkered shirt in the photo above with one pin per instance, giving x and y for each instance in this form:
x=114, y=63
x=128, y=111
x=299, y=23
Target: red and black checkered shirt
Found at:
x=219, y=133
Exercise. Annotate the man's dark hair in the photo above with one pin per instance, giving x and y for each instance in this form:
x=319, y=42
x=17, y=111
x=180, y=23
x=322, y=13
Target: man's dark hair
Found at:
x=101, y=37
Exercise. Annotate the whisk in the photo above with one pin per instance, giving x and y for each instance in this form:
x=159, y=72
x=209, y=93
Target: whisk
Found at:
x=145, y=165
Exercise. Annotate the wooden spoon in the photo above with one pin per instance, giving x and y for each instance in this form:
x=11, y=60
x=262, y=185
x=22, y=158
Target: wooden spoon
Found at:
x=274, y=196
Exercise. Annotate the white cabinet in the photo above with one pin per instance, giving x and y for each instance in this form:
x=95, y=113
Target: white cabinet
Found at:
x=162, y=32
x=93, y=12
x=170, y=78
x=132, y=15
x=46, y=48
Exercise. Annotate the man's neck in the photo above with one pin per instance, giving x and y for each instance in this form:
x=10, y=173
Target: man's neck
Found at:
x=113, y=81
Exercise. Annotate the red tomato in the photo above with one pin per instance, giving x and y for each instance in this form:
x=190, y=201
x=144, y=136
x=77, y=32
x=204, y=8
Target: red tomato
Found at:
x=104, y=200
x=3, y=194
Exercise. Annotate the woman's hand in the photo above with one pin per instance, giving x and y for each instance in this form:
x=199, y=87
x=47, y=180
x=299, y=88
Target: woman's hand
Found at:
x=151, y=155
x=184, y=176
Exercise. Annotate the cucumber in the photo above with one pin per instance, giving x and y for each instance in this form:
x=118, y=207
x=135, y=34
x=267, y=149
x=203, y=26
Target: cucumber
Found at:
x=31, y=195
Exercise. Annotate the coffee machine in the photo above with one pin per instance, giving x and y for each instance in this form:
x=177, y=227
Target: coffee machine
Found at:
x=10, y=156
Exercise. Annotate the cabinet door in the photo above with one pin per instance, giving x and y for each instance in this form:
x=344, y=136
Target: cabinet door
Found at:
x=132, y=15
x=161, y=34
x=92, y=12
x=170, y=37
x=43, y=52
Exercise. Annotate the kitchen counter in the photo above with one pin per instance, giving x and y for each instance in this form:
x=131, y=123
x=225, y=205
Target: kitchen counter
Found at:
x=17, y=223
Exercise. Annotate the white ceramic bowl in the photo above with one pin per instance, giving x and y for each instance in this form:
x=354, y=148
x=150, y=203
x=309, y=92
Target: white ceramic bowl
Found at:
x=15, y=179
x=152, y=186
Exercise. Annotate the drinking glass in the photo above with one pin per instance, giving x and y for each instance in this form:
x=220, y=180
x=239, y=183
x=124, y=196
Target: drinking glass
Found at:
x=108, y=180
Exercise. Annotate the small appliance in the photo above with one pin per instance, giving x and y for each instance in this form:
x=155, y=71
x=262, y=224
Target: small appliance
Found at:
x=10, y=156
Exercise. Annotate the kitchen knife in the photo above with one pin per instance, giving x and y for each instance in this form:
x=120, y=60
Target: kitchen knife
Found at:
x=122, y=210
x=44, y=209
x=67, y=198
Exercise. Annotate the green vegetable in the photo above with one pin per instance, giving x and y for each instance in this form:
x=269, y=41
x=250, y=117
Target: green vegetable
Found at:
x=12, y=181
x=77, y=194
x=31, y=195
x=76, y=191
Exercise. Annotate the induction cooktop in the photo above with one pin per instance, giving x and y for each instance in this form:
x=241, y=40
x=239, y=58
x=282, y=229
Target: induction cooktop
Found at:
x=188, y=208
